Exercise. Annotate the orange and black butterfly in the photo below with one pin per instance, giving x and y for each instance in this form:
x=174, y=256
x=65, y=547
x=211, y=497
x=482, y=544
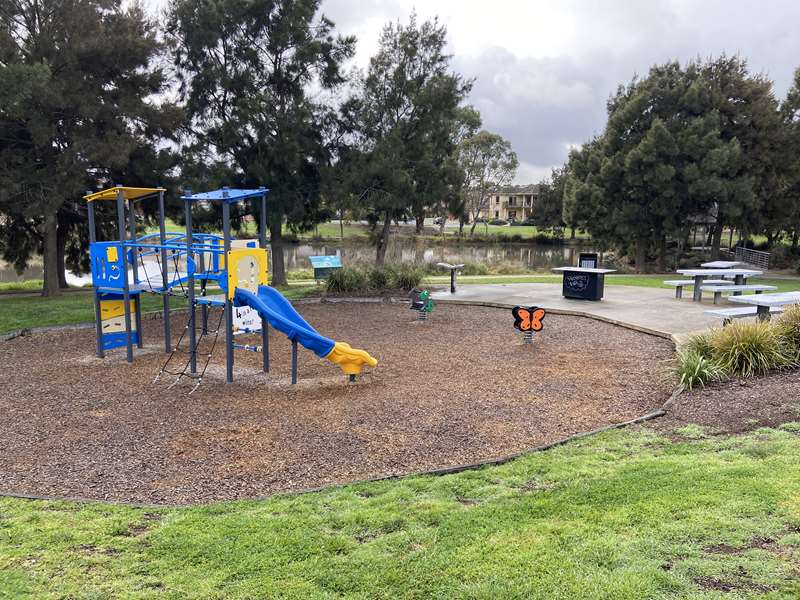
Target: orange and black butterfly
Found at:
x=528, y=318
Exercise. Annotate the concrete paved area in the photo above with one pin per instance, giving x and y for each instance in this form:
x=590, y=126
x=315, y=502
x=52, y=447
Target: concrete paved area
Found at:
x=652, y=310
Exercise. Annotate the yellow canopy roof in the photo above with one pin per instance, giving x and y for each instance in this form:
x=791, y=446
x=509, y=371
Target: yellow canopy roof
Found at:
x=130, y=193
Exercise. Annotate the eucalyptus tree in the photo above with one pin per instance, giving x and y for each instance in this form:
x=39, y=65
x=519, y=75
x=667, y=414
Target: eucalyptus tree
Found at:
x=255, y=76
x=403, y=116
x=489, y=164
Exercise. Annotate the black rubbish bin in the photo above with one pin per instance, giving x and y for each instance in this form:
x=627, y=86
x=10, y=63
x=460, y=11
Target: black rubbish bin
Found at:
x=583, y=285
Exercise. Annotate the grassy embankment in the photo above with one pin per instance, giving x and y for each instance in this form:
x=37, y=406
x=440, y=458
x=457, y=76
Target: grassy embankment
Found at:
x=623, y=515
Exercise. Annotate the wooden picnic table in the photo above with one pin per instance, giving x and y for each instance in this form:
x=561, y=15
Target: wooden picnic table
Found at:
x=699, y=275
x=764, y=302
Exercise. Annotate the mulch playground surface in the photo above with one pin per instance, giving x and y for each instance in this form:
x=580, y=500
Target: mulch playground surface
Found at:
x=458, y=389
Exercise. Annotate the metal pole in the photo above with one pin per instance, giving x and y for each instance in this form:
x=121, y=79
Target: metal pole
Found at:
x=452, y=281
x=126, y=290
x=137, y=311
x=132, y=237
x=204, y=307
x=226, y=235
x=294, y=362
x=190, y=285
x=262, y=242
x=162, y=230
x=98, y=319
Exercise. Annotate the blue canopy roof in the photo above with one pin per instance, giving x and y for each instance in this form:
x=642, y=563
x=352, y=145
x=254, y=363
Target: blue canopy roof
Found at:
x=228, y=195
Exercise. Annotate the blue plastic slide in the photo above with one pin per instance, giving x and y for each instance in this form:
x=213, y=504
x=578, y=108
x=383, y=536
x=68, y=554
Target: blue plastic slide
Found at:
x=280, y=314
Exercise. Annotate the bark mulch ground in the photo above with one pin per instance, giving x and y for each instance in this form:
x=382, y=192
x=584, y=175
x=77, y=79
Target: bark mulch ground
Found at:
x=738, y=405
x=458, y=389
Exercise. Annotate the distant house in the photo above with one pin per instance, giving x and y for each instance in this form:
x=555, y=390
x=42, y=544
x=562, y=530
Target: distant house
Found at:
x=514, y=202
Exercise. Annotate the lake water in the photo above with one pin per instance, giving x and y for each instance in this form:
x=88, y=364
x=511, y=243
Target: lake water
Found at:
x=407, y=250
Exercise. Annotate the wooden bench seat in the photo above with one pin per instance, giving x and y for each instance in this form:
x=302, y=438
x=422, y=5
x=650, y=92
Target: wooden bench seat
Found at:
x=718, y=290
x=729, y=314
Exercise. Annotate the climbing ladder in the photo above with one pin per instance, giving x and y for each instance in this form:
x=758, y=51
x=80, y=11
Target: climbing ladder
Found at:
x=189, y=369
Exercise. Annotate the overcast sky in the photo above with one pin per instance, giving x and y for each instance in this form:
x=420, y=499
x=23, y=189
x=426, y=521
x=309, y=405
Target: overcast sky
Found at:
x=544, y=68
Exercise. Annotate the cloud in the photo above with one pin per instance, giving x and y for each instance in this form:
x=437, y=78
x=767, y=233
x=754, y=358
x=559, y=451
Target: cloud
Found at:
x=545, y=69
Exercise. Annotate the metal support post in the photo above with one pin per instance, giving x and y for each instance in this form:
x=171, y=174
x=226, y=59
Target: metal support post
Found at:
x=190, y=288
x=226, y=234
x=262, y=242
x=162, y=230
x=98, y=319
x=294, y=362
x=126, y=290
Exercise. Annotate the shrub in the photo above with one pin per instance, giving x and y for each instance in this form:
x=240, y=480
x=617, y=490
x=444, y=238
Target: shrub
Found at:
x=510, y=269
x=474, y=268
x=694, y=369
x=700, y=344
x=300, y=274
x=747, y=349
x=788, y=328
x=380, y=278
x=346, y=279
x=498, y=222
x=408, y=277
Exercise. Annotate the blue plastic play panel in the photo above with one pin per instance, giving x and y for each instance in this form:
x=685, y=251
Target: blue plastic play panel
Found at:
x=325, y=262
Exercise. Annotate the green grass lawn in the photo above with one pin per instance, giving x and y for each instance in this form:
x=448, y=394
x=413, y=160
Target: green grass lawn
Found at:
x=623, y=515
x=22, y=312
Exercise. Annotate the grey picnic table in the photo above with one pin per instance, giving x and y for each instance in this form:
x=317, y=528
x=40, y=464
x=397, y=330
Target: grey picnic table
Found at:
x=721, y=264
x=764, y=302
x=699, y=275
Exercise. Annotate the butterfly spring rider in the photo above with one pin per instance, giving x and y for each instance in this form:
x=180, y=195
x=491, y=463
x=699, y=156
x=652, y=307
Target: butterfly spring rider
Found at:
x=528, y=319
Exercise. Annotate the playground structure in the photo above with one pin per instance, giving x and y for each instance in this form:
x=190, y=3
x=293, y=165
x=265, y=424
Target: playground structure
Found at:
x=175, y=264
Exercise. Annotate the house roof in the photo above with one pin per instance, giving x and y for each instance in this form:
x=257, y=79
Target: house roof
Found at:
x=531, y=188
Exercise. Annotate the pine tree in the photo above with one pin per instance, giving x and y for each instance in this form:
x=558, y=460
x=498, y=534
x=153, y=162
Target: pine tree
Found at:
x=246, y=70
x=76, y=81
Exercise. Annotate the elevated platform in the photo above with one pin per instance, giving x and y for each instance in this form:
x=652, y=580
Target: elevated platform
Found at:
x=650, y=310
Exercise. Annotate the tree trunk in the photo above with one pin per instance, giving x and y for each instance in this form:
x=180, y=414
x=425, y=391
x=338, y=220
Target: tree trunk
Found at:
x=61, y=252
x=383, y=241
x=716, y=240
x=572, y=233
x=795, y=240
x=641, y=255
x=662, y=254
x=730, y=239
x=420, y=223
x=50, y=256
x=276, y=245
x=460, y=227
x=341, y=224
x=472, y=229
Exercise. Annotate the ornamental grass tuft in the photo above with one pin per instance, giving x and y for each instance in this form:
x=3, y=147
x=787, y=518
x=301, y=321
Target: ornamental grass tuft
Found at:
x=747, y=349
